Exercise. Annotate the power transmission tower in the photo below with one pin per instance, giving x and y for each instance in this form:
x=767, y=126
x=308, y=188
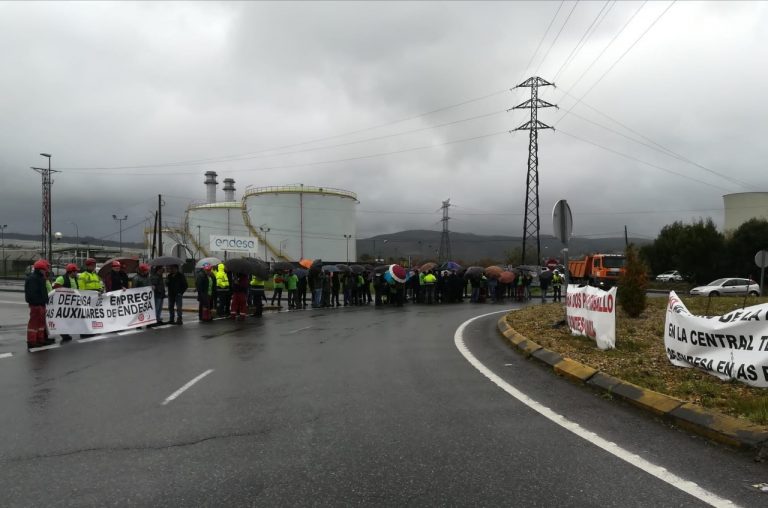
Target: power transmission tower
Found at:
x=531, y=220
x=444, y=254
x=47, y=250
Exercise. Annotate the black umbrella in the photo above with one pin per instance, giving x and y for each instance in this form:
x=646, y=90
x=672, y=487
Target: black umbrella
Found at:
x=300, y=272
x=281, y=266
x=546, y=275
x=247, y=266
x=381, y=269
x=331, y=269
x=344, y=268
x=166, y=261
x=474, y=272
x=357, y=269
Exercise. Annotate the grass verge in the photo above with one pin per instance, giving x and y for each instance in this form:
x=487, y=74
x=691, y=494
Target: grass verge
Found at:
x=639, y=356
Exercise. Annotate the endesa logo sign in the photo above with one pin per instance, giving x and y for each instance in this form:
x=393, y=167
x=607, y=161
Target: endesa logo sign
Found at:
x=234, y=244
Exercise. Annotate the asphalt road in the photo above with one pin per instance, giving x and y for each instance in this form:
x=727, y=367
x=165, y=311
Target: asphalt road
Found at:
x=356, y=406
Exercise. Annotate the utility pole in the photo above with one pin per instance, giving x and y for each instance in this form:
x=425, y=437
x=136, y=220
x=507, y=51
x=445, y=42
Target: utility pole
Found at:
x=2, y=239
x=531, y=219
x=159, y=225
x=120, y=221
x=444, y=254
x=626, y=238
x=265, y=230
x=347, y=237
x=47, y=240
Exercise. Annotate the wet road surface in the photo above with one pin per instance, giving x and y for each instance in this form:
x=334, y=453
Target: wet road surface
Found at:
x=357, y=406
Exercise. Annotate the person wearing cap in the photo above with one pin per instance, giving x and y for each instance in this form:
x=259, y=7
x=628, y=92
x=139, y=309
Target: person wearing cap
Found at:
x=176, y=284
x=36, y=296
x=557, y=284
x=205, y=284
x=114, y=280
x=68, y=280
x=89, y=280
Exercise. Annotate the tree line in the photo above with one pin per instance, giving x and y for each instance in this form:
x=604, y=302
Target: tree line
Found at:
x=702, y=253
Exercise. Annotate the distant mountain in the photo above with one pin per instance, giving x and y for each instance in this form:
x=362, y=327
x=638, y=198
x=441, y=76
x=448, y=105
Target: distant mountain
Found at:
x=469, y=248
x=84, y=240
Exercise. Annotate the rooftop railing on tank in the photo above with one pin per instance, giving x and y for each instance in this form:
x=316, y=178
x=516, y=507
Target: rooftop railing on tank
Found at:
x=307, y=189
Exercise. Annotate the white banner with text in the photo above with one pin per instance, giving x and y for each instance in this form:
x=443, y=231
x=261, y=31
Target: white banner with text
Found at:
x=591, y=312
x=70, y=311
x=731, y=346
x=244, y=244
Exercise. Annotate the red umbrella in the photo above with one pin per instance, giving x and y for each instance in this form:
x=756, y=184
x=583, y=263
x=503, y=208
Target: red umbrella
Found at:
x=493, y=272
x=398, y=273
x=507, y=277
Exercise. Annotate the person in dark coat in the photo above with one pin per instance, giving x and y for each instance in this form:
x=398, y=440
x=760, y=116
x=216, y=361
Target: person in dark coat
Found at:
x=206, y=285
x=115, y=280
x=176, y=284
x=36, y=296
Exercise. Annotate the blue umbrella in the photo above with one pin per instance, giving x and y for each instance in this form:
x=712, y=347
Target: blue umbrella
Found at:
x=450, y=265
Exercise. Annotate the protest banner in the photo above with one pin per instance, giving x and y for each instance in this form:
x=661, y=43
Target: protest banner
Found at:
x=731, y=346
x=591, y=312
x=70, y=311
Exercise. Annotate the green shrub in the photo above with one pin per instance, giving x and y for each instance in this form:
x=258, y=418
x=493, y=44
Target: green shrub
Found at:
x=633, y=284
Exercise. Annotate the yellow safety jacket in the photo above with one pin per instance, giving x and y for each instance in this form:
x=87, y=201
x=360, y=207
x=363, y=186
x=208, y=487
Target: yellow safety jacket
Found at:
x=222, y=280
x=90, y=281
x=256, y=282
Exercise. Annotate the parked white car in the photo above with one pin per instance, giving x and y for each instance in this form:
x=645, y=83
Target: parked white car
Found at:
x=669, y=276
x=728, y=287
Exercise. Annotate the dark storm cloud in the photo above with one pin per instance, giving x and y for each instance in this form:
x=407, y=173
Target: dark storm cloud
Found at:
x=122, y=84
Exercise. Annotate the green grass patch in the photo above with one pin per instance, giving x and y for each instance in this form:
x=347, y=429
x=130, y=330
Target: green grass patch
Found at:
x=640, y=358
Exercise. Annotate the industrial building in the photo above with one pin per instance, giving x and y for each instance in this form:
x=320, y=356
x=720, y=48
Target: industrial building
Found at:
x=291, y=222
x=743, y=206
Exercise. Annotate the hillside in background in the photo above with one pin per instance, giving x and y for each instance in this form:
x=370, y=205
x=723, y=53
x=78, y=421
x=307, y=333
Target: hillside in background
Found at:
x=467, y=247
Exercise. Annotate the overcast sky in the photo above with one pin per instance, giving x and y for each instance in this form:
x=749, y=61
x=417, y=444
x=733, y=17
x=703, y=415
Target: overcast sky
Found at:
x=131, y=88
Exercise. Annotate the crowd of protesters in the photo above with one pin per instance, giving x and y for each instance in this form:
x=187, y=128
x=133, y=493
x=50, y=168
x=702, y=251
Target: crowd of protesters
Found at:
x=224, y=293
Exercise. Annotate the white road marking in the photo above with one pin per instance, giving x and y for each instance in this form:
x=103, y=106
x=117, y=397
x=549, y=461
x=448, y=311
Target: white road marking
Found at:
x=6, y=355
x=129, y=332
x=300, y=329
x=186, y=387
x=95, y=338
x=13, y=303
x=612, y=448
x=43, y=348
x=163, y=326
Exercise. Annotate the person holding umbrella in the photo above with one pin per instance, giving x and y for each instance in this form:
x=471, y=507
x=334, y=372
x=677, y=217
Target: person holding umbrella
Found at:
x=205, y=284
x=177, y=284
x=238, y=305
x=158, y=287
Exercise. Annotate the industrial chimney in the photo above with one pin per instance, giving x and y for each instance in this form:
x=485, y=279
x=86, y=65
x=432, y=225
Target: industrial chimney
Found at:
x=229, y=189
x=210, y=186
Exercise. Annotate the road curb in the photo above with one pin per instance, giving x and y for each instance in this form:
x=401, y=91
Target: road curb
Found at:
x=716, y=426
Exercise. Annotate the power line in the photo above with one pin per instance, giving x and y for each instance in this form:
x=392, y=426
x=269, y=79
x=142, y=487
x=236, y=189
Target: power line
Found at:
x=348, y=143
x=536, y=72
x=615, y=62
x=332, y=161
x=627, y=156
x=226, y=158
x=543, y=37
x=668, y=153
x=654, y=145
x=608, y=45
x=585, y=37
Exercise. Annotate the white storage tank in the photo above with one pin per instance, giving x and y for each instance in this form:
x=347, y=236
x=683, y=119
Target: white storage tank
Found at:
x=214, y=219
x=743, y=206
x=303, y=221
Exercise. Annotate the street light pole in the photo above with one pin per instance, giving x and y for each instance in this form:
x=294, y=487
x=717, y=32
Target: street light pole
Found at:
x=120, y=221
x=347, y=237
x=77, y=248
x=2, y=239
x=198, y=240
x=265, y=231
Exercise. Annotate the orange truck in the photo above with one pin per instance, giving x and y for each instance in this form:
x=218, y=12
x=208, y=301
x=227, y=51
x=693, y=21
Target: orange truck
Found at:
x=602, y=270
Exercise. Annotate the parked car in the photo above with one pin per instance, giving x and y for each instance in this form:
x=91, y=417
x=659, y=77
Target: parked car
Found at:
x=728, y=287
x=670, y=276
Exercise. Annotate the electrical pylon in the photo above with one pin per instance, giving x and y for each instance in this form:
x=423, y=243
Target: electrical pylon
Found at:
x=444, y=254
x=531, y=219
